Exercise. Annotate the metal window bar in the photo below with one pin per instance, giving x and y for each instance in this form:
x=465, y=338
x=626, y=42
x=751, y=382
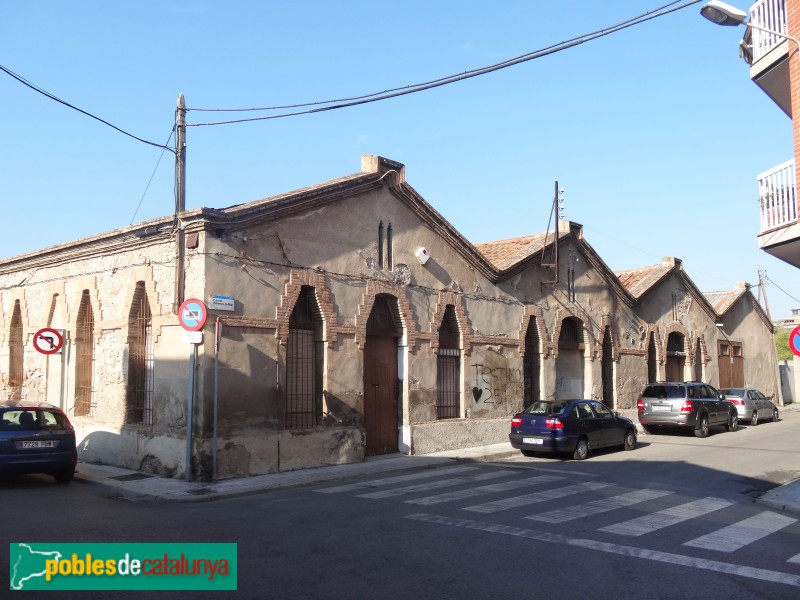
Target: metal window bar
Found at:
x=447, y=383
x=15, y=355
x=141, y=361
x=300, y=396
x=84, y=361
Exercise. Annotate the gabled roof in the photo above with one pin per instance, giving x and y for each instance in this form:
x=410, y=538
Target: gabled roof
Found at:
x=722, y=301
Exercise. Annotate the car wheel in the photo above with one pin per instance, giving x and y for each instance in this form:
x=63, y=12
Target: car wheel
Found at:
x=64, y=476
x=702, y=427
x=776, y=416
x=630, y=440
x=733, y=423
x=528, y=453
x=754, y=418
x=581, y=449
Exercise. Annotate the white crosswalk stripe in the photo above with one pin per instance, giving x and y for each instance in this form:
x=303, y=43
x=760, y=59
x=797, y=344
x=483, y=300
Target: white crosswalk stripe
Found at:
x=733, y=537
x=669, y=516
x=543, y=496
x=484, y=489
x=434, y=485
x=372, y=483
x=598, y=506
x=795, y=559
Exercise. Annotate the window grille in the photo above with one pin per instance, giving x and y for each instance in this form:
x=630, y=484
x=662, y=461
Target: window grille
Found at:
x=84, y=359
x=532, y=367
x=448, y=368
x=15, y=354
x=141, y=359
x=304, y=363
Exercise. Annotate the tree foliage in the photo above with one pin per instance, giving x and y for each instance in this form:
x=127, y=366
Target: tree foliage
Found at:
x=782, y=344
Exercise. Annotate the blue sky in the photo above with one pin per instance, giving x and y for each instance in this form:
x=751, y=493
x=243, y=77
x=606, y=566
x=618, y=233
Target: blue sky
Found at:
x=656, y=132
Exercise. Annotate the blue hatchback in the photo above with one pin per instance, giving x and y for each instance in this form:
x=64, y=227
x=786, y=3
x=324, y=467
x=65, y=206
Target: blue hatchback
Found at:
x=570, y=427
x=36, y=437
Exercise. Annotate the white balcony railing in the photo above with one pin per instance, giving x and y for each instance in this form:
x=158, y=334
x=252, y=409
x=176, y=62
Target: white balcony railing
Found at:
x=772, y=15
x=777, y=196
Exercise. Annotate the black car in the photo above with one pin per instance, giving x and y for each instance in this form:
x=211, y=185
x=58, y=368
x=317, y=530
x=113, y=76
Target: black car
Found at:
x=570, y=427
x=36, y=437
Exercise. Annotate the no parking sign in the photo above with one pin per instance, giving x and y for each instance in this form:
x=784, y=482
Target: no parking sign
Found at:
x=794, y=340
x=193, y=314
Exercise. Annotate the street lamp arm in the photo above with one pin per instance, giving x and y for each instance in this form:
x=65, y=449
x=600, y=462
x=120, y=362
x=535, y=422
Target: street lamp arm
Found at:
x=773, y=32
x=721, y=13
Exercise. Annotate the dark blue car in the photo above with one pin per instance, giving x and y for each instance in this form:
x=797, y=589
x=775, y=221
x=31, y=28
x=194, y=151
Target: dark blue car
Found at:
x=36, y=437
x=570, y=427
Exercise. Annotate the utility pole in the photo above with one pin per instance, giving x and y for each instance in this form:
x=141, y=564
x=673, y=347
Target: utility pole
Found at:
x=762, y=289
x=180, y=198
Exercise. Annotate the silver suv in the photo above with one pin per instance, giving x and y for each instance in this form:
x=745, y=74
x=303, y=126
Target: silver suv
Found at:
x=689, y=405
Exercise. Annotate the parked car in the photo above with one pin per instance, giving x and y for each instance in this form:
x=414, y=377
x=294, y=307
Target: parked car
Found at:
x=570, y=427
x=36, y=437
x=688, y=405
x=751, y=405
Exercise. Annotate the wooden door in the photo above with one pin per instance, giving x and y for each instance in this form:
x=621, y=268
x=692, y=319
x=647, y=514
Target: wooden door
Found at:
x=380, y=394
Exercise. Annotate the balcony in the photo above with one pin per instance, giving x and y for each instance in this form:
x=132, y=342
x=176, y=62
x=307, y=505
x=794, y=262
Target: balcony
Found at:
x=780, y=231
x=767, y=53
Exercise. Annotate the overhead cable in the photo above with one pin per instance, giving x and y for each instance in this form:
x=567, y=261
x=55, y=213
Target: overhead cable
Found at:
x=414, y=88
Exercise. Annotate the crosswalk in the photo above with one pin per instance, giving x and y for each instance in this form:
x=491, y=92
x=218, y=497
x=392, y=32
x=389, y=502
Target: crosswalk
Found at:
x=549, y=499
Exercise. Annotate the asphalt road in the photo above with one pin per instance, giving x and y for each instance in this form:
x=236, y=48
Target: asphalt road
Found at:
x=675, y=518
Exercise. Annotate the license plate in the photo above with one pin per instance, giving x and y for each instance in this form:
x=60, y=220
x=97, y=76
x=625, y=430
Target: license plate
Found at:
x=662, y=408
x=534, y=441
x=38, y=444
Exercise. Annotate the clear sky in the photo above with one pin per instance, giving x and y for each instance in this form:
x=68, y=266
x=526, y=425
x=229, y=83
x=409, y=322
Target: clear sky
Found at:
x=656, y=132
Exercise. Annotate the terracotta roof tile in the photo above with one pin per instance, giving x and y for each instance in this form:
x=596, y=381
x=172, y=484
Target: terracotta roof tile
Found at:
x=505, y=253
x=638, y=281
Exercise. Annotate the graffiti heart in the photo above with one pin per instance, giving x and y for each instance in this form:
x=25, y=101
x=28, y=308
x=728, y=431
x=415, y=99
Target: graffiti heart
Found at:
x=496, y=385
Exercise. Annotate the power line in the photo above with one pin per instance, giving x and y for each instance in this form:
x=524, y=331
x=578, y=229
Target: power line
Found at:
x=36, y=88
x=147, y=187
x=780, y=288
x=419, y=87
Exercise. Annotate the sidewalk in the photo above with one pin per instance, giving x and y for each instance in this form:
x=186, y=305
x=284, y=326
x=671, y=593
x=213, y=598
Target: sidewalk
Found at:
x=141, y=486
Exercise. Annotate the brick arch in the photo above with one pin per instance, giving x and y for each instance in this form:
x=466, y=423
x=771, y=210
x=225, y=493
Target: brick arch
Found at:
x=297, y=279
x=676, y=327
x=561, y=314
x=698, y=337
x=544, y=339
x=464, y=329
x=606, y=322
x=657, y=342
x=398, y=291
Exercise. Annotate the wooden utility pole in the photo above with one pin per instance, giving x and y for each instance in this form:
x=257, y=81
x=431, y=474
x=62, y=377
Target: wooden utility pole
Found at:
x=180, y=198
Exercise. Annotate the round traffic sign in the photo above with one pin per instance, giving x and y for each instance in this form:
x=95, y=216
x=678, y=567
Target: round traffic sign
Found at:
x=48, y=341
x=794, y=340
x=193, y=314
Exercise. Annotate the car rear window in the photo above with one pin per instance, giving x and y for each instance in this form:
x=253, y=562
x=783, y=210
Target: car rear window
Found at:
x=31, y=420
x=545, y=408
x=664, y=391
x=738, y=392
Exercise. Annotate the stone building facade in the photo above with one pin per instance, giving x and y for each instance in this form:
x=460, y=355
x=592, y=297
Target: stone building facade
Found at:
x=346, y=319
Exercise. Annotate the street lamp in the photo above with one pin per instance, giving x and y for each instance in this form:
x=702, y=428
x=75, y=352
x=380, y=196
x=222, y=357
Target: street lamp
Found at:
x=725, y=14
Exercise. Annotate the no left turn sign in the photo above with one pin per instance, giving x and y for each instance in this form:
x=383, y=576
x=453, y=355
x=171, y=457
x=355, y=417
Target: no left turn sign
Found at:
x=48, y=341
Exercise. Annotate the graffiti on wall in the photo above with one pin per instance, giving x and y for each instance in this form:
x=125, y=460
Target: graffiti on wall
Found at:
x=496, y=385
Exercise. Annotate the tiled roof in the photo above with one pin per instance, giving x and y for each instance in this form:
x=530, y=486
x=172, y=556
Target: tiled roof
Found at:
x=505, y=253
x=638, y=281
x=722, y=301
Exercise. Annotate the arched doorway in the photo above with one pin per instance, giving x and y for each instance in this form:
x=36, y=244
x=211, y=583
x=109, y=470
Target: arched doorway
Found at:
x=381, y=418
x=676, y=357
x=570, y=360
x=532, y=366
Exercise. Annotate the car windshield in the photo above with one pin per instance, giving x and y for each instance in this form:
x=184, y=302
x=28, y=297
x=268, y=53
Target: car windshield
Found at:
x=665, y=391
x=738, y=392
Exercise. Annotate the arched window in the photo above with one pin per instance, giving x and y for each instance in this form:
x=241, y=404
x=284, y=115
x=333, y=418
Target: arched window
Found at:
x=532, y=367
x=84, y=359
x=15, y=354
x=139, y=396
x=304, y=365
x=448, y=367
